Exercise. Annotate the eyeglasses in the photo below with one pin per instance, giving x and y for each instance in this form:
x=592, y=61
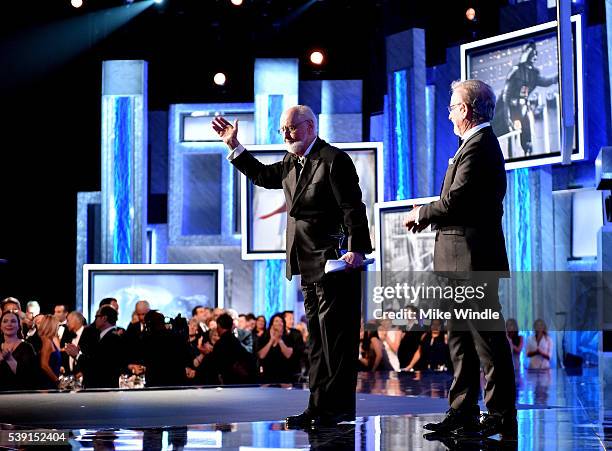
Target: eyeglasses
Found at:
x=452, y=107
x=290, y=128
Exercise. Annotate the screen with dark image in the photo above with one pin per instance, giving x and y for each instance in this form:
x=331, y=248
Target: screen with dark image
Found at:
x=169, y=291
x=522, y=68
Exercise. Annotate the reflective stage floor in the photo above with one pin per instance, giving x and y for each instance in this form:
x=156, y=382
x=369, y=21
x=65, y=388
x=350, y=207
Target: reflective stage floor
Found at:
x=556, y=411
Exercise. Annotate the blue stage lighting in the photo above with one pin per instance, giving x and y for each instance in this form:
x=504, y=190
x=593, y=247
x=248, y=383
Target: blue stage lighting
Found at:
x=158, y=2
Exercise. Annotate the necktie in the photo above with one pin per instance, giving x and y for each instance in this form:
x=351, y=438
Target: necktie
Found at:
x=298, y=168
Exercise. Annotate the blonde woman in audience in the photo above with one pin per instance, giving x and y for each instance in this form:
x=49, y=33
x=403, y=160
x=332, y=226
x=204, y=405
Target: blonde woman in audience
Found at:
x=539, y=347
x=50, y=355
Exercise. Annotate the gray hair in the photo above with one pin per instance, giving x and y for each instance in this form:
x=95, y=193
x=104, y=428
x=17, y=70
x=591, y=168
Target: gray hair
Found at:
x=479, y=96
x=305, y=113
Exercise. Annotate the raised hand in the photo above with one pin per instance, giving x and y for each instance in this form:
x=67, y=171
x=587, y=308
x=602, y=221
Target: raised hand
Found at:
x=226, y=131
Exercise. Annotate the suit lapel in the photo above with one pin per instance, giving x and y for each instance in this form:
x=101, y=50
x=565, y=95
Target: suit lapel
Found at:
x=310, y=167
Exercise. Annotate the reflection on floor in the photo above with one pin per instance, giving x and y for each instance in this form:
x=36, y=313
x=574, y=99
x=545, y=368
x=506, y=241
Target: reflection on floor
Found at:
x=556, y=411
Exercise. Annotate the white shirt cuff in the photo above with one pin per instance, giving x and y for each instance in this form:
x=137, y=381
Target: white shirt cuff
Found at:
x=236, y=152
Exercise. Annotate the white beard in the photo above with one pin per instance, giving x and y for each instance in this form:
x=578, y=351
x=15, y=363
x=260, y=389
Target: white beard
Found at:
x=296, y=147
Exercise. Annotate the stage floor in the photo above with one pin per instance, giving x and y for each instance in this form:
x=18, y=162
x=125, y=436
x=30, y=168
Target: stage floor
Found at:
x=556, y=411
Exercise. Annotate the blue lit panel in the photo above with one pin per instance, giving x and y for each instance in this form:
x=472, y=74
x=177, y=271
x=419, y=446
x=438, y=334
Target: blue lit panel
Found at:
x=400, y=86
x=275, y=110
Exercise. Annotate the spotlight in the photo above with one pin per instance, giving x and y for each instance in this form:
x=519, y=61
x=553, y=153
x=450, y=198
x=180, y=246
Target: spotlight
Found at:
x=219, y=79
x=470, y=14
x=236, y=2
x=316, y=57
x=76, y=3
x=159, y=2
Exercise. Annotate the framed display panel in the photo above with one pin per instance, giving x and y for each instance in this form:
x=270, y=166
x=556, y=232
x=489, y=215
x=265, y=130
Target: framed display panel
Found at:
x=522, y=68
x=171, y=289
x=202, y=207
x=397, y=249
x=264, y=220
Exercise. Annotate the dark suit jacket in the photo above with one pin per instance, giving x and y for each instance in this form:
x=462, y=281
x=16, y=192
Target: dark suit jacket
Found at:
x=104, y=363
x=323, y=203
x=468, y=216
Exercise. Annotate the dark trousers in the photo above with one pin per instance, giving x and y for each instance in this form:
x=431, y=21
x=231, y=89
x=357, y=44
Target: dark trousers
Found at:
x=472, y=343
x=333, y=311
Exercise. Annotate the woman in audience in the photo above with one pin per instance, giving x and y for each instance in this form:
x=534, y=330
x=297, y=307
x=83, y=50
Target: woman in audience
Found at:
x=274, y=350
x=539, y=347
x=50, y=356
x=260, y=326
x=433, y=351
x=515, y=340
x=372, y=354
x=18, y=363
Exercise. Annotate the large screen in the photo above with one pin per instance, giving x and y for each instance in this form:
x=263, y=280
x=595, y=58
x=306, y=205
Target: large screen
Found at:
x=400, y=250
x=264, y=216
x=522, y=68
x=171, y=289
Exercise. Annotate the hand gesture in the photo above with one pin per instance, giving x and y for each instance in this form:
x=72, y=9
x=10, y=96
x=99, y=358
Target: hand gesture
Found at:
x=226, y=131
x=71, y=349
x=411, y=220
x=352, y=259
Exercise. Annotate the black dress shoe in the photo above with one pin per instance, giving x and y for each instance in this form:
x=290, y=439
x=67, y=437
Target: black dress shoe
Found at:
x=493, y=424
x=301, y=421
x=330, y=421
x=456, y=419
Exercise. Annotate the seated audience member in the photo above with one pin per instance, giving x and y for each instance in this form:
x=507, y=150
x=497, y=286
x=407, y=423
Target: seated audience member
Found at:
x=105, y=361
x=390, y=338
x=372, y=353
x=250, y=322
x=274, y=351
x=32, y=336
x=433, y=350
x=260, y=327
x=515, y=340
x=18, y=362
x=244, y=336
x=409, y=343
x=60, y=312
x=202, y=315
x=166, y=355
x=297, y=341
x=539, y=347
x=50, y=357
x=228, y=359
x=79, y=337
x=12, y=304
x=32, y=310
x=134, y=336
x=114, y=304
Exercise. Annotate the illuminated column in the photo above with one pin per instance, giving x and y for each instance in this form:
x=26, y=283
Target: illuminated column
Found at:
x=340, y=119
x=124, y=161
x=407, y=164
x=276, y=89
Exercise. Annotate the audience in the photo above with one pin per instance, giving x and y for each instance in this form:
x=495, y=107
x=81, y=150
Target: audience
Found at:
x=372, y=354
x=260, y=327
x=18, y=361
x=50, y=356
x=432, y=353
x=539, y=347
x=32, y=336
x=134, y=336
x=297, y=341
x=79, y=337
x=166, y=355
x=105, y=361
x=60, y=312
x=274, y=351
x=515, y=340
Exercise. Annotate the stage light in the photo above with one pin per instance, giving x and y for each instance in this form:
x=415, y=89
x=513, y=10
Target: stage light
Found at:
x=219, y=78
x=236, y=2
x=158, y=2
x=316, y=57
x=76, y=3
x=470, y=14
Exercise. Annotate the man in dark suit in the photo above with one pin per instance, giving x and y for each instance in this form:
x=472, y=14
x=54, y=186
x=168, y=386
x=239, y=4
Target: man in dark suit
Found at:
x=105, y=361
x=77, y=339
x=323, y=201
x=470, y=240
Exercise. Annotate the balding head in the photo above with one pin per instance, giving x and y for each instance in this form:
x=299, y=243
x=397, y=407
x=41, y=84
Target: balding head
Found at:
x=298, y=126
x=142, y=308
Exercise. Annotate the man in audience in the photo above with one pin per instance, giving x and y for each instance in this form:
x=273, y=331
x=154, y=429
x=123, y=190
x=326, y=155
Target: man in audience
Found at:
x=105, y=361
x=244, y=336
x=60, y=312
x=203, y=315
x=228, y=358
x=109, y=301
x=251, y=320
x=295, y=337
x=134, y=338
x=77, y=337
